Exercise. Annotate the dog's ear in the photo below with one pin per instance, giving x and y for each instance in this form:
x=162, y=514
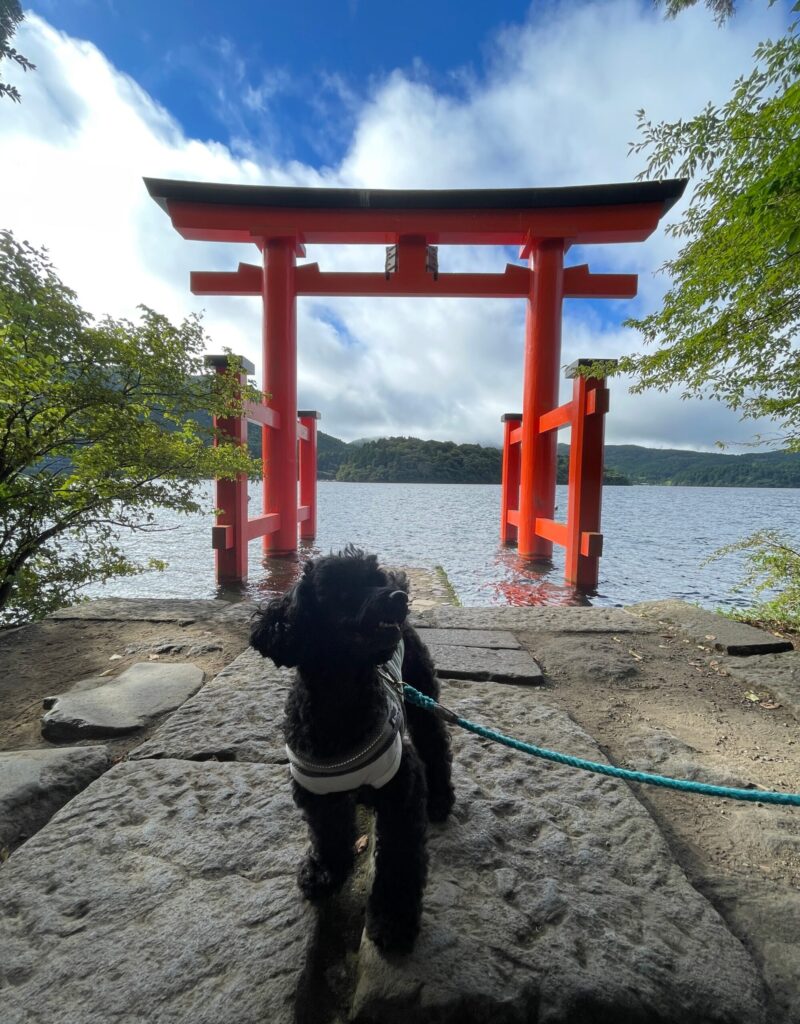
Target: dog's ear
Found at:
x=397, y=579
x=276, y=630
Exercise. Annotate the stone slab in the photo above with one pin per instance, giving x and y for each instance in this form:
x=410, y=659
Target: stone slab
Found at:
x=648, y=749
x=717, y=631
x=148, y=609
x=778, y=673
x=552, y=897
x=237, y=716
x=34, y=784
x=601, y=658
x=164, y=892
x=491, y=639
x=577, y=619
x=120, y=705
x=500, y=666
x=769, y=915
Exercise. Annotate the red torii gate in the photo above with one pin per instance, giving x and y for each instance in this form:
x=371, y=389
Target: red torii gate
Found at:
x=543, y=222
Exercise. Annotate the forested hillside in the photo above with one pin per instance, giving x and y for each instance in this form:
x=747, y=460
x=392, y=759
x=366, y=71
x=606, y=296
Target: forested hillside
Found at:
x=410, y=460
x=704, y=469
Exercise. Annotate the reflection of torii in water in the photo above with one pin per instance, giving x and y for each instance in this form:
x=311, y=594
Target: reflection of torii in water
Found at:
x=543, y=222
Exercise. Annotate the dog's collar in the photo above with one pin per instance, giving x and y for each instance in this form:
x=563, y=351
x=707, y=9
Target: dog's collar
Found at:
x=373, y=764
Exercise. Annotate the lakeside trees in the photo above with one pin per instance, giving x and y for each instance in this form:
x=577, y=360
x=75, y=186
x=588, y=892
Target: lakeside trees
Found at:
x=96, y=432
x=727, y=326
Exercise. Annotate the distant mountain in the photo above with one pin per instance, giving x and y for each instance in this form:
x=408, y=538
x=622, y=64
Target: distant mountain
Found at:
x=702, y=469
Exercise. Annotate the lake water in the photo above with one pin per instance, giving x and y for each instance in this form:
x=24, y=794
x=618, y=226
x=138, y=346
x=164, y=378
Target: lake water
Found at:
x=656, y=539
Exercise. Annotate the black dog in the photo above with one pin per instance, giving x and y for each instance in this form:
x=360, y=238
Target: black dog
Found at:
x=340, y=625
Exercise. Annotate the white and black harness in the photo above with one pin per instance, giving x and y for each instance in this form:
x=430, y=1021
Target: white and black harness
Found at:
x=373, y=764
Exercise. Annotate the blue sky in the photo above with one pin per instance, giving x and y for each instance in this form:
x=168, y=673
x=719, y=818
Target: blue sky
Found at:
x=361, y=94
x=307, y=64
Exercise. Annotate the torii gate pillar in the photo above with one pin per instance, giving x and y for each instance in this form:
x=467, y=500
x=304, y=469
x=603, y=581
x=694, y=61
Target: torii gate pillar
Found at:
x=540, y=395
x=280, y=386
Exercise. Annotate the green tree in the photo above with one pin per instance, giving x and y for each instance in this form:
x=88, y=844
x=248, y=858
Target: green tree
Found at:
x=728, y=324
x=95, y=433
x=11, y=15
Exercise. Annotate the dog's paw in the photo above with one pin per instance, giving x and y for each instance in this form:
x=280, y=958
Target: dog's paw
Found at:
x=315, y=880
x=440, y=804
x=394, y=933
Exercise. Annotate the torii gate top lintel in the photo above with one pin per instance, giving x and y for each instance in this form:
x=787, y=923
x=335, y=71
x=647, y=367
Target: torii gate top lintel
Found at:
x=617, y=212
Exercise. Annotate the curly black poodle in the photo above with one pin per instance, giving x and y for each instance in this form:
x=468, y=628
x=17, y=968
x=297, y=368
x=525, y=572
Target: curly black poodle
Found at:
x=349, y=735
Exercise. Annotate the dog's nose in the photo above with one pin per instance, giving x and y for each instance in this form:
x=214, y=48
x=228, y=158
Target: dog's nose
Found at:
x=398, y=601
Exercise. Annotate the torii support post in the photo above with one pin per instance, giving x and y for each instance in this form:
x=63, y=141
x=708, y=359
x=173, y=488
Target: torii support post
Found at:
x=509, y=492
x=540, y=395
x=229, y=535
x=585, y=496
x=580, y=535
x=280, y=381
x=307, y=454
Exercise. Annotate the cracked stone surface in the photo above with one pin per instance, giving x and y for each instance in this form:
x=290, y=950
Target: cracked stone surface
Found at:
x=593, y=657
x=500, y=666
x=552, y=897
x=170, y=645
x=489, y=639
x=119, y=706
x=718, y=631
x=236, y=716
x=152, y=609
x=778, y=673
x=770, y=914
x=554, y=620
x=164, y=892
x=34, y=784
x=658, y=751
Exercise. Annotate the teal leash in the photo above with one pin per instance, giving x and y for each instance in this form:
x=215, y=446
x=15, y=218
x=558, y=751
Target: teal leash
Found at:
x=753, y=795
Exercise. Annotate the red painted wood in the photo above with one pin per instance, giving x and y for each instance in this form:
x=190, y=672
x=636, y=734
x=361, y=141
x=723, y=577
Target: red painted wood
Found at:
x=540, y=396
x=559, y=417
x=509, y=491
x=308, y=479
x=556, y=533
x=628, y=222
x=514, y=282
x=229, y=536
x=584, y=502
x=221, y=537
x=579, y=283
x=262, y=414
x=260, y=526
x=592, y=545
x=280, y=381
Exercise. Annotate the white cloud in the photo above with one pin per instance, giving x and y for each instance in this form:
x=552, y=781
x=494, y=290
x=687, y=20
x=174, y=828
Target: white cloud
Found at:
x=556, y=105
